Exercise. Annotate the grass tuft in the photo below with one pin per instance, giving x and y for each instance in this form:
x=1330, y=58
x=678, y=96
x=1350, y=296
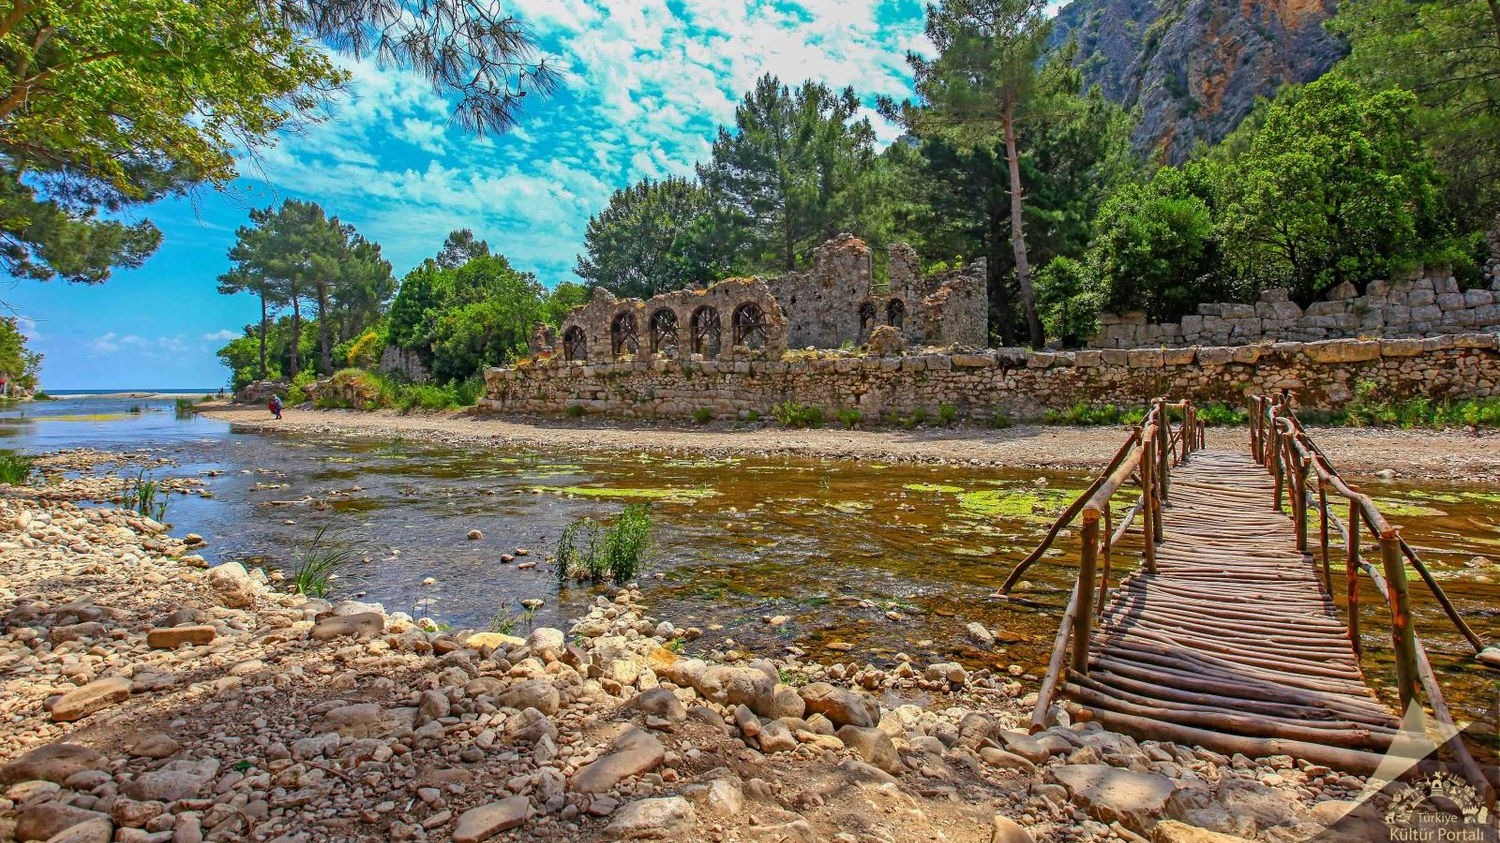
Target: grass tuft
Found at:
x=327, y=557
x=15, y=468
x=591, y=552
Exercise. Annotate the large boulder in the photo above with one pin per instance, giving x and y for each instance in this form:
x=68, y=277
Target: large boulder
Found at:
x=1111, y=794
x=95, y=696
x=841, y=706
x=486, y=821
x=634, y=752
x=536, y=693
x=232, y=583
x=651, y=819
x=53, y=763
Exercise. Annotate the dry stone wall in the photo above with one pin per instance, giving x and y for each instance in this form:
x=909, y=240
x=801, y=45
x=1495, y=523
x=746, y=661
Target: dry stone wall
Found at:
x=1427, y=305
x=1021, y=384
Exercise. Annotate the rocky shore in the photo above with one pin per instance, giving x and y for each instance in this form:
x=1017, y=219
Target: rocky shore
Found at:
x=148, y=698
x=1455, y=456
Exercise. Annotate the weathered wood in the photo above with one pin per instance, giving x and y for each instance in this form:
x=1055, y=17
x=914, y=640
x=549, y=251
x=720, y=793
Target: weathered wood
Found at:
x=1351, y=567
x=1054, y=665
x=1083, y=619
x=1403, y=640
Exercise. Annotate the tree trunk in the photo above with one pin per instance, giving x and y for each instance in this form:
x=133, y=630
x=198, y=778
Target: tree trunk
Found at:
x=264, y=318
x=296, y=337
x=791, y=252
x=1017, y=235
x=1000, y=299
x=325, y=357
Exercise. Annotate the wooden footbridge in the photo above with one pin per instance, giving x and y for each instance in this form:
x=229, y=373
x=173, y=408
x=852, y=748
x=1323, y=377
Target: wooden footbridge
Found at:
x=1227, y=635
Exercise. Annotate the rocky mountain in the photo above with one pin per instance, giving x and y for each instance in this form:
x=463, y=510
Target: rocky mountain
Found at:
x=1195, y=67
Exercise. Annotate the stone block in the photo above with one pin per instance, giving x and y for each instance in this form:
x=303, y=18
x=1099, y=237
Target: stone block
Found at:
x=973, y=361
x=1417, y=298
x=1400, y=347
x=1144, y=358
x=1451, y=301
x=1192, y=324
x=1087, y=358
x=1178, y=356
x=1211, y=309
x=1476, y=340
x=1342, y=292
x=1342, y=351
x=1248, y=354
x=1429, y=314
x=1238, y=311
x=1478, y=298
x=1214, y=355
x=1445, y=284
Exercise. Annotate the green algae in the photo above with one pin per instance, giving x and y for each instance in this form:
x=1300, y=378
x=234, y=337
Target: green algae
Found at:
x=1394, y=508
x=618, y=493
x=1014, y=503
x=933, y=487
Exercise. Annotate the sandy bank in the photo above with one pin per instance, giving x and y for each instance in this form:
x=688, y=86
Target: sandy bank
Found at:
x=1429, y=455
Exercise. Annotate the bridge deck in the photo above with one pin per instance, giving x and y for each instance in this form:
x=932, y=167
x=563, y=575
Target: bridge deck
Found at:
x=1233, y=633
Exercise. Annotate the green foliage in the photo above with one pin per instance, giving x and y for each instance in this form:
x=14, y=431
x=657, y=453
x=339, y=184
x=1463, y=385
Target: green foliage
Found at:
x=296, y=254
x=587, y=551
x=999, y=420
x=1367, y=409
x=1155, y=249
x=947, y=414
x=1445, y=53
x=111, y=104
x=364, y=350
x=21, y=364
x=1334, y=187
x=574, y=411
x=650, y=239
x=296, y=393
x=791, y=173
x=186, y=408
x=795, y=415
x=561, y=300
x=1222, y=415
x=328, y=556
x=1068, y=301
x=703, y=415
x=15, y=468
x=505, y=622
x=850, y=417
x=146, y=496
x=1087, y=415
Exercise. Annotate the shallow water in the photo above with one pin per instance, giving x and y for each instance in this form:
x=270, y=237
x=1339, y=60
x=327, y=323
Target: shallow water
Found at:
x=886, y=559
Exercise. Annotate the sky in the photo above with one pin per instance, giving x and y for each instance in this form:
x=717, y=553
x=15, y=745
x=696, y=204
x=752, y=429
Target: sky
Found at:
x=646, y=83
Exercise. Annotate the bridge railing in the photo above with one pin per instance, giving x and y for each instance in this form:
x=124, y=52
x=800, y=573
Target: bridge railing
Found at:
x=1308, y=480
x=1147, y=457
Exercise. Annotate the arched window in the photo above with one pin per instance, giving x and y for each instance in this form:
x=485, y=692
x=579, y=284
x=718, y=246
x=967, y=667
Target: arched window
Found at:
x=866, y=318
x=705, y=325
x=575, y=344
x=750, y=326
x=664, y=332
x=895, y=314
x=622, y=336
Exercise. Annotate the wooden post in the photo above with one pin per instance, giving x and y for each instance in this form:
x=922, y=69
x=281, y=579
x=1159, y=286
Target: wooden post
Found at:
x=1299, y=506
x=1353, y=576
x=1108, y=539
x=1276, y=466
x=1323, y=534
x=1403, y=637
x=1255, y=449
x=1163, y=460
x=1149, y=523
x=1083, y=621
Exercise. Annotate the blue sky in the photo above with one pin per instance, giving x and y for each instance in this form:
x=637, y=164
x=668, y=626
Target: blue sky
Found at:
x=646, y=83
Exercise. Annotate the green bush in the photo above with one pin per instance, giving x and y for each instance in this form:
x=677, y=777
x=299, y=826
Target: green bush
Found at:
x=1368, y=410
x=792, y=414
x=1222, y=415
x=590, y=552
x=574, y=411
x=146, y=496
x=850, y=417
x=15, y=468
x=1084, y=414
x=999, y=420
x=295, y=394
x=947, y=414
x=703, y=415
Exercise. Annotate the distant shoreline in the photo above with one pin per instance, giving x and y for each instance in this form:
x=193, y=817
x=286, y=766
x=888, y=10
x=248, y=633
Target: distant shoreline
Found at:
x=130, y=393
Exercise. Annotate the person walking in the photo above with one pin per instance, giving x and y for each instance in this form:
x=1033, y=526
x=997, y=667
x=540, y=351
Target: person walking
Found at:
x=275, y=406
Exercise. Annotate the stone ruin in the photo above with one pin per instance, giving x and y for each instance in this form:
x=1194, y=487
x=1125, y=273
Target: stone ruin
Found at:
x=836, y=302
x=1421, y=306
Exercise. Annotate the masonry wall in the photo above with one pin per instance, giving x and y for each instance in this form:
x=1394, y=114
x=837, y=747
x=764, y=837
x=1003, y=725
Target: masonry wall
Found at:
x=1021, y=384
x=1428, y=305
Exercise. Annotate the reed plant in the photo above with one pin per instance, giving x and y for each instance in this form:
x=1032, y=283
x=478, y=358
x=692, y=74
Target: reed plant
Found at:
x=327, y=557
x=591, y=552
x=147, y=496
x=15, y=468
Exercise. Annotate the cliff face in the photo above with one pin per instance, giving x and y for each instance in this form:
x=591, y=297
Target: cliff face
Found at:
x=1195, y=67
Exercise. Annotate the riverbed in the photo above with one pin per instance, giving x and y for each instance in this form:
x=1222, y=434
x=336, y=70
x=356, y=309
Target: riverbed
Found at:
x=856, y=558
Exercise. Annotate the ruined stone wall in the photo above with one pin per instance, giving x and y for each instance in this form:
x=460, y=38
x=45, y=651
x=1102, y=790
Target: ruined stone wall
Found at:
x=822, y=304
x=1018, y=383
x=397, y=360
x=677, y=325
x=1428, y=305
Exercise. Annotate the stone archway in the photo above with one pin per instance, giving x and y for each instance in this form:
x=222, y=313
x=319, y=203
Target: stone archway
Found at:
x=623, y=338
x=664, y=332
x=867, y=321
x=706, y=333
x=575, y=344
x=750, y=326
x=895, y=314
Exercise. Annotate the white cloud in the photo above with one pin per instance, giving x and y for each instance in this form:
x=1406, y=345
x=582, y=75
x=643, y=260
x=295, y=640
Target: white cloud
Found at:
x=221, y=335
x=27, y=328
x=647, y=84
